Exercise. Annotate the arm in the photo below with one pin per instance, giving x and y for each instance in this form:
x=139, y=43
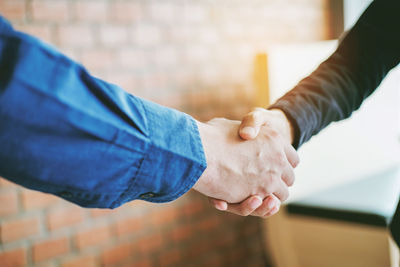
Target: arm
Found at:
x=67, y=133
x=337, y=87
x=341, y=83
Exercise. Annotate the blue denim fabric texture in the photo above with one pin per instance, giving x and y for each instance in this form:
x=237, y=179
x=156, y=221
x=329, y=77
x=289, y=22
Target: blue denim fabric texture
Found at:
x=65, y=132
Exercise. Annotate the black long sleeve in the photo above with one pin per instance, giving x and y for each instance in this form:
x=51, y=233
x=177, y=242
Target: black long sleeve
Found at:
x=341, y=83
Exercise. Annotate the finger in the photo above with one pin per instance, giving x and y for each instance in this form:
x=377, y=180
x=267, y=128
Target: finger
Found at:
x=246, y=207
x=292, y=156
x=282, y=192
x=251, y=124
x=218, y=204
x=268, y=204
x=272, y=212
x=288, y=176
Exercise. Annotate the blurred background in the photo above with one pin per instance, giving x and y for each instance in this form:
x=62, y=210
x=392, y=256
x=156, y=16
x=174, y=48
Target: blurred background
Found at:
x=206, y=58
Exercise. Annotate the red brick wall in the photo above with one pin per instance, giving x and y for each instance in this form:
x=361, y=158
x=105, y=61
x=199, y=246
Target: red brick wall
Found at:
x=195, y=56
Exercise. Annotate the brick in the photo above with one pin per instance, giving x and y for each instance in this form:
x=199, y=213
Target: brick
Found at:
x=97, y=59
x=208, y=223
x=71, y=53
x=194, y=207
x=166, y=56
x=43, y=32
x=131, y=58
x=125, y=11
x=113, y=35
x=93, y=237
x=91, y=11
x=147, y=35
x=154, y=81
x=50, y=10
x=176, y=101
x=117, y=254
x=81, y=261
x=197, y=54
x=182, y=232
x=238, y=254
x=16, y=229
x=128, y=226
x=9, y=203
x=76, y=36
x=13, y=9
x=64, y=217
x=49, y=263
x=163, y=12
x=208, y=36
x=37, y=200
x=125, y=80
x=170, y=258
x=13, y=258
x=165, y=216
x=181, y=34
x=201, y=247
x=49, y=249
x=225, y=239
x=218, y=260
x=140, y=263
x=195, y=13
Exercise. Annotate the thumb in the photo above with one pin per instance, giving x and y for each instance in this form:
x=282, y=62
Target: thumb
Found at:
x=218, y=204
x=251, y=124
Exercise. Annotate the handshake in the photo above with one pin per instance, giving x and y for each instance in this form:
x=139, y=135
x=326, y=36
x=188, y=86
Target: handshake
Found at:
x=249, y=164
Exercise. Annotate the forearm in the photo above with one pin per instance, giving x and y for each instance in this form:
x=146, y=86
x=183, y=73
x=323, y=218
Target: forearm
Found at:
x=341, y=83
x=67, y=133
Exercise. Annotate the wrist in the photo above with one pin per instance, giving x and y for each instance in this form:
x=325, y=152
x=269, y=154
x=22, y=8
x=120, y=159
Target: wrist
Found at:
x=284, y=124
x=204, y=179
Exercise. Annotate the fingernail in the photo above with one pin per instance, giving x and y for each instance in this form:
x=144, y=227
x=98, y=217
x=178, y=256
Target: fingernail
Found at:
x=272, y=212
x=270, y=203
x=221, y=206
x=275, y=210
x=248, y=131
x=255, y=202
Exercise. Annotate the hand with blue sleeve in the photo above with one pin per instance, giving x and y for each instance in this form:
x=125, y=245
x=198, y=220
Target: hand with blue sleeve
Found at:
x=65, y=132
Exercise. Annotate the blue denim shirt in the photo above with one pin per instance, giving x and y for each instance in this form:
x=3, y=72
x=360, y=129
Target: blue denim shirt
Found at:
x=65, y=132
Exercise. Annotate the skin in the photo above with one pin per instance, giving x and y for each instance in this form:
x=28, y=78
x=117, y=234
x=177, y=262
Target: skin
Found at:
x=252, y=124
x=261, y=167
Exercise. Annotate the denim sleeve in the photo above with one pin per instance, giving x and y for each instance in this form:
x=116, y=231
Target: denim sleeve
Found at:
x=353, y=72
x=64, y=132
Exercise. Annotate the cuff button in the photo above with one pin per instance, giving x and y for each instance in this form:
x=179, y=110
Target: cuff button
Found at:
x=147, y=195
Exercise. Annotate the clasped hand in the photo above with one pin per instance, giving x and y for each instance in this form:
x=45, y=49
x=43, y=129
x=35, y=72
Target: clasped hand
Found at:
x=249, y=164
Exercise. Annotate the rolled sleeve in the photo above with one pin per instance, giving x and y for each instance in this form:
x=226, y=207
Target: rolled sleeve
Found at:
x=175, y=136
x=68, y=133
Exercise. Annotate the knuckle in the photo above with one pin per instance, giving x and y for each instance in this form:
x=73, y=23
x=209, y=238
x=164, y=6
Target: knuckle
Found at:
x=296, y=160
x=252, y=118
x=280, y=160
x=290, y=178
x=244, y=211
x=285, y=195
x=290, y=181
x=273, y=133
x=270, y=183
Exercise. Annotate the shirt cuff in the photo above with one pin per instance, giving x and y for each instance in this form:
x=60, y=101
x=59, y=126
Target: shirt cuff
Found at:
x=295, y=120
x=175, y=158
